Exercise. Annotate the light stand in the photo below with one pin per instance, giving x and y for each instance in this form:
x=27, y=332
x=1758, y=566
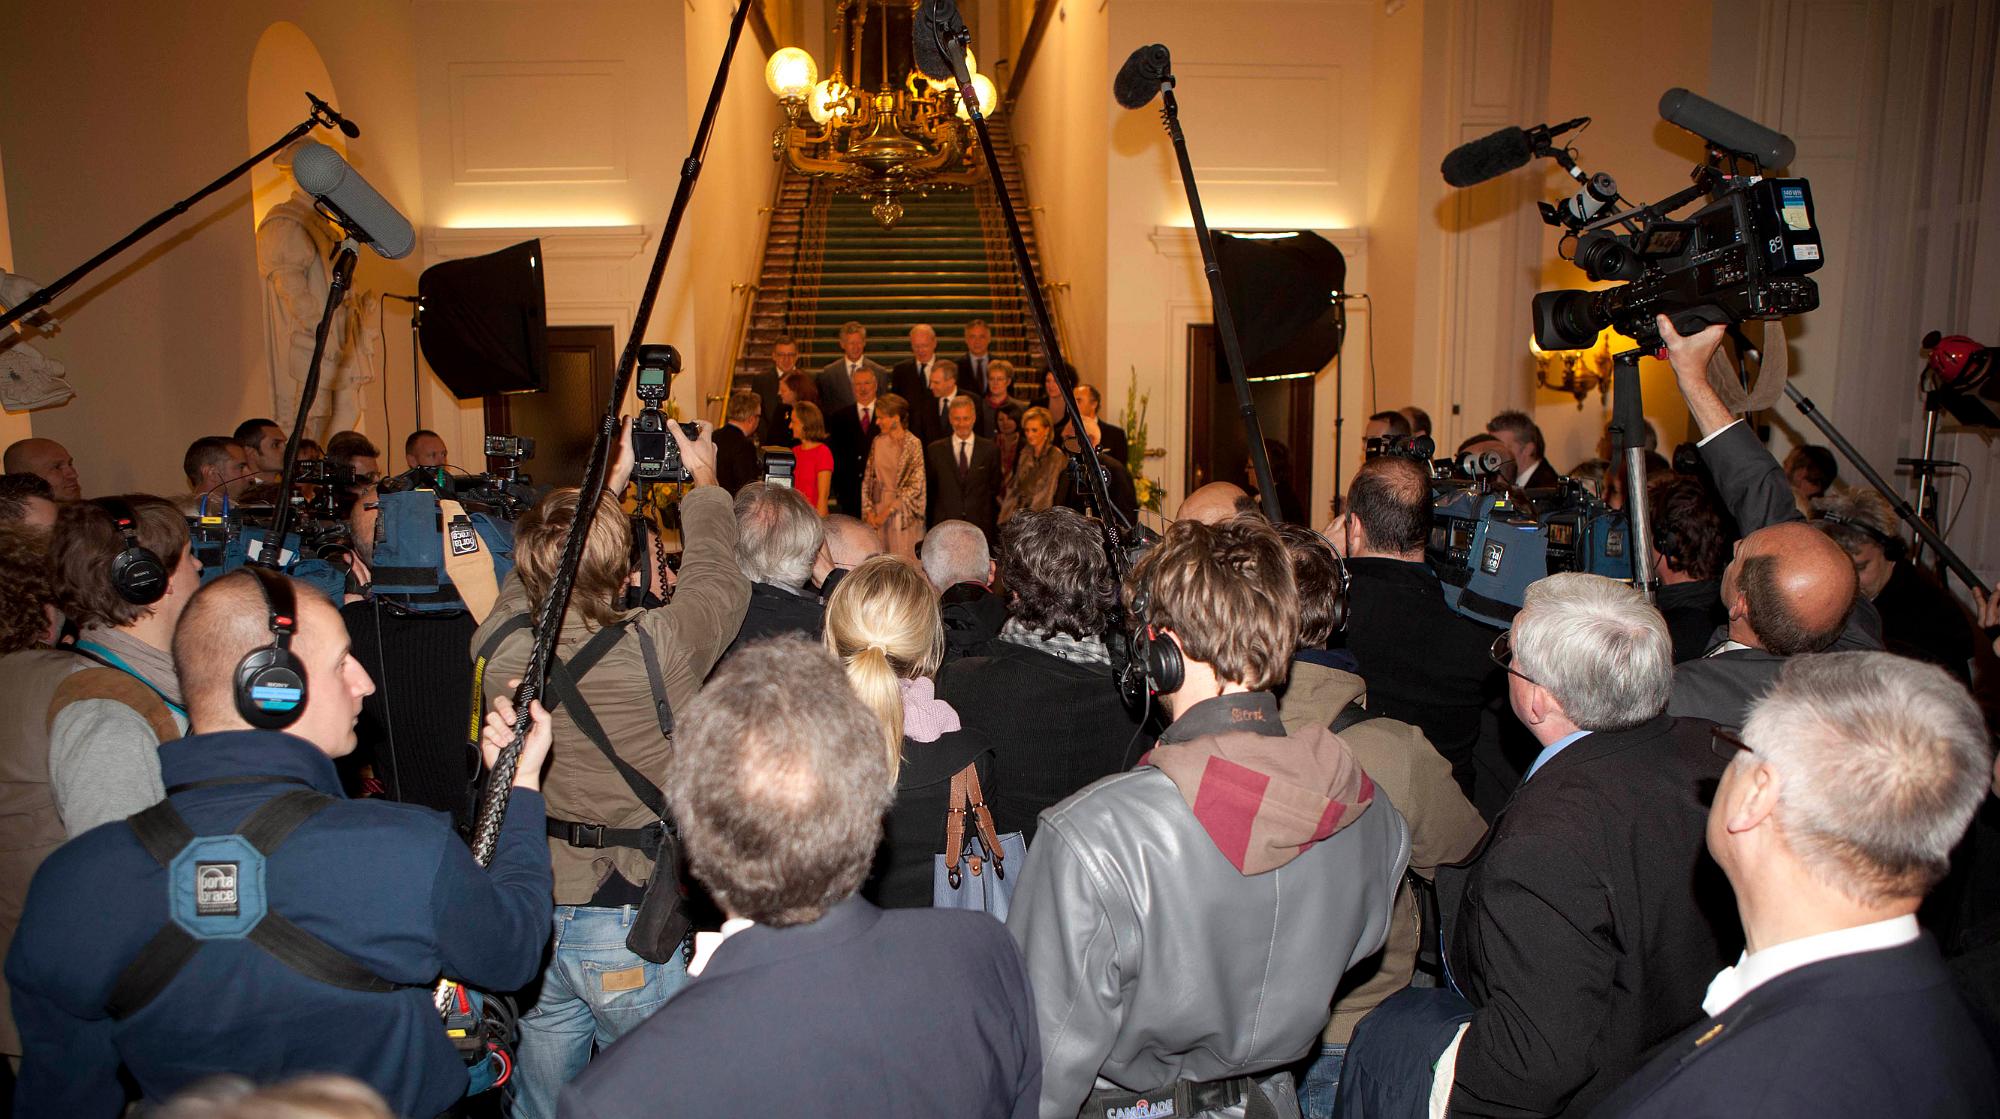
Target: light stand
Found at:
x=1225, y=322
x=1924, y=531
x=344, y=258
x=1628, y=426
x=322, y=116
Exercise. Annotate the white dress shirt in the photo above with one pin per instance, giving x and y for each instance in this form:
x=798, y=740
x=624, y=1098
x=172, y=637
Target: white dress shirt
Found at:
x=705, y=943
x=1758, y=968
x=961, y=452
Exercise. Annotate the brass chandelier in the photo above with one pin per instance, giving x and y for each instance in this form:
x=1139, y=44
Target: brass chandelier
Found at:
x=908, y=135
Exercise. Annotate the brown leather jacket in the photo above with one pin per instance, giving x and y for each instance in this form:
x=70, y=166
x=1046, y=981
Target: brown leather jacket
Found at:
x=1417, y=780
x=689, y=634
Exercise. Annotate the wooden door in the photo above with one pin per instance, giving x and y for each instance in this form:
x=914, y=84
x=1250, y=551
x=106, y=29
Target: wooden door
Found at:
x=561, y=419
x=1218, y=449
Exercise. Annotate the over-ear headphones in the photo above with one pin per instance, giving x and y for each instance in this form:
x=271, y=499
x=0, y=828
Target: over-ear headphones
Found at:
x=1893, y=547
x=1155, y=666
x=270, y=680
x=1337, y=610
x=136, y=571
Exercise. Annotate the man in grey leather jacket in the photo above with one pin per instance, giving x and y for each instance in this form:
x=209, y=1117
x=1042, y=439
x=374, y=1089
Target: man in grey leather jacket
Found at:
x=1185, y=924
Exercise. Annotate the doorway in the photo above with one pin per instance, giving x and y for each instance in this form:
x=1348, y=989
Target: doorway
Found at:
x=561, y=419
x=1218, y=451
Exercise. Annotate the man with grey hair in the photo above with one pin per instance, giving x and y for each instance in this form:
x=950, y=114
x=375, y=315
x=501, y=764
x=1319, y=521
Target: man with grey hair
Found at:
x=779, y=783
x=778, y=536
x=1587, y=921
x=961, y=569
x=1851, y=783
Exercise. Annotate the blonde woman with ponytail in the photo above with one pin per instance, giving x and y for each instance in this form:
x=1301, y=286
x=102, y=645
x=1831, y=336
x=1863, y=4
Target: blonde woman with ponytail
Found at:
x=882, y=621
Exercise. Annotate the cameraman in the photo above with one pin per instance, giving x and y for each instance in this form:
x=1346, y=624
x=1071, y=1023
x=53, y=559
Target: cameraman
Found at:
x=612, y=743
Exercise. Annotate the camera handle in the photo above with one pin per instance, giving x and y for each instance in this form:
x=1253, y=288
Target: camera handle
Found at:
x=1929, y=535
x=336, y=292
x=1628, y=423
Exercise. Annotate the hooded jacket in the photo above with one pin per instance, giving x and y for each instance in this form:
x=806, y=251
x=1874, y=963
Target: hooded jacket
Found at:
x=1190, y=919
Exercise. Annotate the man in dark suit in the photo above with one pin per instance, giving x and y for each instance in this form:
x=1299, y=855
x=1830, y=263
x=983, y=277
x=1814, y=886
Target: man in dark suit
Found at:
x=1588, y=920
x=930, y=415
x=958, y=561
x=836, y=389
x=1424, y=664
x=1110, y=438
x=962, y=473
x=1523, y=439
x=1842, y=1007
x=850, y=431
x=809, y=993
x=911, y=379
x=736, y=454
x=771, y=430
x=1785, y=592
x=973, y=363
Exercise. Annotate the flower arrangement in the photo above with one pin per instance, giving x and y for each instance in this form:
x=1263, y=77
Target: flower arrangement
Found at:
x=1151, y=494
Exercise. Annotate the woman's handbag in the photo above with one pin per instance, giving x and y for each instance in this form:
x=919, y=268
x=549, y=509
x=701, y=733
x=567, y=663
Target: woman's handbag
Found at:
x=972, y=871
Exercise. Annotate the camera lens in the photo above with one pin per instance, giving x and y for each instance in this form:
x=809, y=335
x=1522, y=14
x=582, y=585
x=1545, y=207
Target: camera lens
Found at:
x=1605, y=256
x=1566, y=320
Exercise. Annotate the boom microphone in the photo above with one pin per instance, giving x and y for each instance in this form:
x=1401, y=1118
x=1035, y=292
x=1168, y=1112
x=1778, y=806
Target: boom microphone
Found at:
x=321, y=173
x=1729, y=131
x=1144, y=72
x=326, y=113
x=1488, y=157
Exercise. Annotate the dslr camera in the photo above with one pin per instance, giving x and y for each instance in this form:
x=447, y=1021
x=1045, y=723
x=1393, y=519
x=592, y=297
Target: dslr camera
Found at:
x=655, y=455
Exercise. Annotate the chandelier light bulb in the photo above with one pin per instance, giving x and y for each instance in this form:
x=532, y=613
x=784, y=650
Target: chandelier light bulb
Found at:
x=989, y=97
x=791, y=73
x=830, y=99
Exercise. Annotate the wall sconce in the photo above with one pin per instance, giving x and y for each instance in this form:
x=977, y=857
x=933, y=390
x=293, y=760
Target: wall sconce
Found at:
x=1578, y=371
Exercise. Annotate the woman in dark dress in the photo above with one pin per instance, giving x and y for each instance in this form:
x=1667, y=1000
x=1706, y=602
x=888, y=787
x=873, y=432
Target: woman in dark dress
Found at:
x=882, y=621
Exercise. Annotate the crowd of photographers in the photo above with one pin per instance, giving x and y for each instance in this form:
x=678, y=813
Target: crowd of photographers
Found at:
x=1349, y=852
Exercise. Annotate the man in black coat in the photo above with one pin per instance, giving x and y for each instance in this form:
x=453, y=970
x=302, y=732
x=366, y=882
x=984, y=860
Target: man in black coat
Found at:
x=736, y=448
x=962, y=473
x=1424, y=663
x=1842, y=1007
x=771, y=429
x=1789, y=589
x=850, y=432
x=1689, y=549
x=911, y=379
x=1042, y=692
x=930, y=415
x=778, y=536
x=809, y=993
x=1589, y=919
x=960, y=566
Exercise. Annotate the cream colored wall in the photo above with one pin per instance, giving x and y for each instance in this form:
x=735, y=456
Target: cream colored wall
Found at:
x=118, y=110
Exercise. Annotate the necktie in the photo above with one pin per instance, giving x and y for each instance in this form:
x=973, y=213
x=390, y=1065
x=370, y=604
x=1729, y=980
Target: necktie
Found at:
x=964, y=459
x=867, y=417
x=944, y=410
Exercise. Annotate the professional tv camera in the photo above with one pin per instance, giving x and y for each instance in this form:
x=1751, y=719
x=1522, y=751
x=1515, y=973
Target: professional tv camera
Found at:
x=1487, y=544
x=1742, y=255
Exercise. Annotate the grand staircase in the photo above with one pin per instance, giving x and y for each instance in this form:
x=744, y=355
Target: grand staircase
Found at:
x=947, y=262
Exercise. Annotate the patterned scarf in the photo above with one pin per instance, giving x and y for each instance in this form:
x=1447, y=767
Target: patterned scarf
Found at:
x=1076, y=650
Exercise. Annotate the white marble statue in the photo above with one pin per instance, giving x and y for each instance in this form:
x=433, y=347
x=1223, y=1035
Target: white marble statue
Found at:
x=29, y=379
x=294, y=258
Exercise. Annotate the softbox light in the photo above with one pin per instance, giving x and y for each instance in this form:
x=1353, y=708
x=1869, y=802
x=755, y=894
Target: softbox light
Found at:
x=485, y=325
x=1280, y=288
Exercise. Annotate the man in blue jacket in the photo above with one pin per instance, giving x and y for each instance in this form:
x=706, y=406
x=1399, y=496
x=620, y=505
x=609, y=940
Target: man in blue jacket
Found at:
x=384, y=895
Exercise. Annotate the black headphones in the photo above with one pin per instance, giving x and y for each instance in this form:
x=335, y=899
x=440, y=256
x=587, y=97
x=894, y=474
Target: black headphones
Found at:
x=136, y=572
x=1155, y=666
x=1893, y=547
x=1337, y=611
x=270, y=681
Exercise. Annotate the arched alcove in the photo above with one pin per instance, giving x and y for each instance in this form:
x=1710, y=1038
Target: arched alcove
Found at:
x=283, y=69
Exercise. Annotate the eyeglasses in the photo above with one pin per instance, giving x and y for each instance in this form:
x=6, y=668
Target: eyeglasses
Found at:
x=1502, y=653
x=1724, y=743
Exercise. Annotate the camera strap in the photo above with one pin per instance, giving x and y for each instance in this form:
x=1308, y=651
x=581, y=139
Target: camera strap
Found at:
x=1768, y=389
x=466, y=563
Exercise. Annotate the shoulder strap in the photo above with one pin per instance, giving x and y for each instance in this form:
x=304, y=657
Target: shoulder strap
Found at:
x=513, y=625
x=663, y=708
x=1352, y=715
x=114, y=684
x=164, y=834
x=562, y=691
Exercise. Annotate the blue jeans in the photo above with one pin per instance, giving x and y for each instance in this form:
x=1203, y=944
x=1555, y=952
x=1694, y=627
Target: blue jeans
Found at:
x=593, y=992
x=1321, y=1082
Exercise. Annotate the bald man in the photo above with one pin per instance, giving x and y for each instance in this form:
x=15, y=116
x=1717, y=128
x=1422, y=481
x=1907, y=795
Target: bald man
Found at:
x=1789, y=589
x=1215, y=503
x=49, y=459
x=849, y=540
x=385, y=895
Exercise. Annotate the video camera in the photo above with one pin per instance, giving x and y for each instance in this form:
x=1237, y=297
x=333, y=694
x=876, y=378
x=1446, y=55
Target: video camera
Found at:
x=655, y=455
x=1487, y=545
x=1743, y=255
